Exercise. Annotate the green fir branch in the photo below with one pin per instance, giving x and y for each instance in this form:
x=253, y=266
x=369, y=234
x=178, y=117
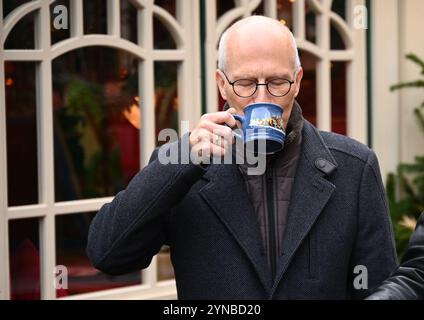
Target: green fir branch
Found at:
x=420, y=118
x=405, y=188
x=412, y=84
x=414, y=58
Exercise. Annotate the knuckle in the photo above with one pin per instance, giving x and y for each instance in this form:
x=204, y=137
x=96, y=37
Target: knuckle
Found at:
x=203, y=125
x=216, y=131
x=206, y=144
x=228, y=132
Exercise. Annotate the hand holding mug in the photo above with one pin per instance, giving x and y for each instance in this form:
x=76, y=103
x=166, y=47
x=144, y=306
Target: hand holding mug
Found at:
x=212, y=136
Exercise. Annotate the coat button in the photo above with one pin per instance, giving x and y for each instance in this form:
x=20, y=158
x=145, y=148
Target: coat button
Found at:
x=324, y=166
x=320, y=163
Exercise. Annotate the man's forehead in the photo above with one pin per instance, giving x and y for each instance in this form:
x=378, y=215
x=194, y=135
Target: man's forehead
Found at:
x=248, y=59
x=242, y=45
x=266, y=74
x=255, y=35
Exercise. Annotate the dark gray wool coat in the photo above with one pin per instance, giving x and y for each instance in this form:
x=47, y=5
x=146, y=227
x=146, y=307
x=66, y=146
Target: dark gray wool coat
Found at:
x=338, y=219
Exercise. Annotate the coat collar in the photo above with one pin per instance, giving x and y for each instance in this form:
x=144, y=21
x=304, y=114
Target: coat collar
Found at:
x=227, y=196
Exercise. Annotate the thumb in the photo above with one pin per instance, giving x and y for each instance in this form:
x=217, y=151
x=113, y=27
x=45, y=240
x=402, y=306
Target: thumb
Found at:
x=233, y=121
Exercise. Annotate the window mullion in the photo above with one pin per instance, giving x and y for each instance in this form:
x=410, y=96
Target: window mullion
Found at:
x=211, y=55
x=76, y=17
x=270, y=8
x=4, y=232
x=146, y=84
x=147, y=101
x=324, y=71
x=299, y=26
x=45, y=154
x=113, y=18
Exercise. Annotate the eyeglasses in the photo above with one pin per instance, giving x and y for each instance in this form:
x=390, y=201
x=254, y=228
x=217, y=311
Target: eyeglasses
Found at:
x=245, y=88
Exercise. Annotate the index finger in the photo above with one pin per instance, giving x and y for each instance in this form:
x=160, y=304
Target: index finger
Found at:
x=221, y=118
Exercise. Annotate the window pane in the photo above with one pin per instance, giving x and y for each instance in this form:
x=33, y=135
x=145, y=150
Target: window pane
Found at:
x=71, y=242
x=284, y=12
x=259, y=10
x=307, y=93
x=59, y=17
x=338, y=97
x=165, y=268
x=162, y=37
x=95, y=16
x=96, y=121
x=339, y=6
x=21, y=133
x=168, y=5
x=22, y=34
x=24, y=255
x=222, y=6
x=337, y=42
x=128, y=21
x=166, y=96
x=10, y=5
x=310, y=24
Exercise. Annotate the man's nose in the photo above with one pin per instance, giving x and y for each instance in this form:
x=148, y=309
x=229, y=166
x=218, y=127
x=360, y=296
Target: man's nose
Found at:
x=262, y=94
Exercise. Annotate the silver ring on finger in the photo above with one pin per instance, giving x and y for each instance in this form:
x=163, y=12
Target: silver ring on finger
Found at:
x=217, y=140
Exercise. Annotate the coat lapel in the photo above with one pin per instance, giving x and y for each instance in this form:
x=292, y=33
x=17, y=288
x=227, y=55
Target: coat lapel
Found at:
x=227, y=196
x=310, y=194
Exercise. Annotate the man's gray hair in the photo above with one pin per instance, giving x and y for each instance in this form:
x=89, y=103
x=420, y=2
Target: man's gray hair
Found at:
x=222, y=50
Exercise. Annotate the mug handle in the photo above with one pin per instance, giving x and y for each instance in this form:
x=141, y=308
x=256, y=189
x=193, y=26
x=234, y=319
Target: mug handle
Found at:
x=241, y=119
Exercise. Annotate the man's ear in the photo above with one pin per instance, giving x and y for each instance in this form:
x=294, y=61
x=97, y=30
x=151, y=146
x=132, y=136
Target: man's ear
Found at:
x=299, y=76
x=220, y=81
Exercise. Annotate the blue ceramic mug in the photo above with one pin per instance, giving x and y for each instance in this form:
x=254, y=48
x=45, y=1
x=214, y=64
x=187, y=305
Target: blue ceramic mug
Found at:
x=262, y=128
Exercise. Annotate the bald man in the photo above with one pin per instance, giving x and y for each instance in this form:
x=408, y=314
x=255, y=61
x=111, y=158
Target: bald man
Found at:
x=315, y=225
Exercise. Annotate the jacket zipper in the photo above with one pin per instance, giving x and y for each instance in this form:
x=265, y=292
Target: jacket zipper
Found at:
x=271, y=220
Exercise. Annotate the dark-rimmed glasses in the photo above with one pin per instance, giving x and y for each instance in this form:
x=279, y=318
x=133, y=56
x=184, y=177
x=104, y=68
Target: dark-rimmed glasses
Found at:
x=245, y=88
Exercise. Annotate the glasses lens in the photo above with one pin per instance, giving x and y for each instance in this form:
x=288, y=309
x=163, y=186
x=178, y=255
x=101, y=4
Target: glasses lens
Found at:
x=244, y=87
x=279, y=87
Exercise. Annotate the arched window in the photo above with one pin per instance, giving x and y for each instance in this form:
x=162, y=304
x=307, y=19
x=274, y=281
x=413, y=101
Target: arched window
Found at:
x=87, y=87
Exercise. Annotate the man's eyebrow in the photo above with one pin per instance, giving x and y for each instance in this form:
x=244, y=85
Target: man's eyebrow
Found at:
x=244, y=76
x=280, y=75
